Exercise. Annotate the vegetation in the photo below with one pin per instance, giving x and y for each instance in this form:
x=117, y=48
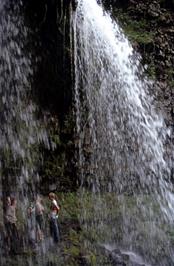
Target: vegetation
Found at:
x=82, y=231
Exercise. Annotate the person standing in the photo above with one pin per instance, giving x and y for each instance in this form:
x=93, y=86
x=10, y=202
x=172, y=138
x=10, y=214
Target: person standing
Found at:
x=39, y=211
x=54, y=210
x=11, y=220
x=6, y=222
x=31, y=223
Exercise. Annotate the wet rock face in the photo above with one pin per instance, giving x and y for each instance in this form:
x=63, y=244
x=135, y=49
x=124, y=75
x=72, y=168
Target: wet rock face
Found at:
x=156, y=19
x=121, y=258
x=50, y=49
x=49, y=22
x=50, y=44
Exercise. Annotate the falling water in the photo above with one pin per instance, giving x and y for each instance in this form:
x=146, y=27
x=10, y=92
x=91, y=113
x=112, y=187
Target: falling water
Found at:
x=121, y=140
x=20, y=131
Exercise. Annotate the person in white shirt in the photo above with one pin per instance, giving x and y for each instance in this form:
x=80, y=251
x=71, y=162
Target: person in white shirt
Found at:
x=54, y=210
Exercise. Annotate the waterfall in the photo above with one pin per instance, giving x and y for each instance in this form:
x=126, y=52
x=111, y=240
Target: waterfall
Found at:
x=20, y=128
x=21, y=131
x=121, y=139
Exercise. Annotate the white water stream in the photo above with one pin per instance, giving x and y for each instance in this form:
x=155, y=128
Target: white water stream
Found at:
x=121, y=136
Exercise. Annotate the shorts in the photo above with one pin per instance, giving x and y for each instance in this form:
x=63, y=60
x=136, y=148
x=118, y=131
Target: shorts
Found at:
x=40, y=221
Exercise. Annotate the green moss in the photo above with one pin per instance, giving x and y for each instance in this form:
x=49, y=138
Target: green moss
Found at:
x=151, y=70
x=84, y=219
x=57, y=163
x=69, y=124
x=138, y=36
x=137, y=31
x=70, y=205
